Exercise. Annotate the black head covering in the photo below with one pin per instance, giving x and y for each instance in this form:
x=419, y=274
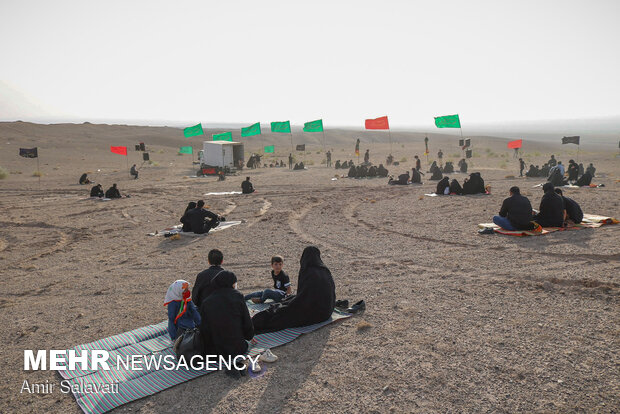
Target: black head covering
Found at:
x=190, y=206
x=224, y=279
x=548, y=187
x=311, y=257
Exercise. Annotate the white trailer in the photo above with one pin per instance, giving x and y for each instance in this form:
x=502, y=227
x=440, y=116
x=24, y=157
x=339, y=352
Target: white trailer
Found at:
x=221, y=154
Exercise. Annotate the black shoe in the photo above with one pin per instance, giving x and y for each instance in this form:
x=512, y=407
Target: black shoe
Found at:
x=358, y=307
x=486, y=230
x=342, y=304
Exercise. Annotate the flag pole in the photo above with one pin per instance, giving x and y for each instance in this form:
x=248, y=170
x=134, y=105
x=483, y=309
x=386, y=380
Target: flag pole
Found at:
x=390, y=132
x=323, y=139
x=291, y=132
x=38, y=171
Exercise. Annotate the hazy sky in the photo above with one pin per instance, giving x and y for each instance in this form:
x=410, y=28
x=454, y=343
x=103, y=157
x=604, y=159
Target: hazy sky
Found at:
x=343, y=61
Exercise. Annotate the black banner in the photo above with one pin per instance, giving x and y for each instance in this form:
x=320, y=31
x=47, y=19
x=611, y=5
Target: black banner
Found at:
x=468, y=153
x=28, y=152
x=300, y=147
x=570, y=140
x=145, y=156
x=461, y=142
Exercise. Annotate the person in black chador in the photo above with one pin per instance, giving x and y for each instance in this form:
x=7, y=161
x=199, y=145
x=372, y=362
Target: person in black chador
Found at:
x=113, y=192
x=448, y=168
x=556, y=178
x=372, y=171
x=352, y=171
x=436, y=171
x=551, y=212
x=516, y=212
x=84, y=179
x=186, y=225
x=442, y=185
x=475, y=184
x=585, y=179
x=97, y=191
x=573, y=210
x=591, y=170
x=226, y=325
x=455, y=187
x=337, y=165
x=573, y=171
x=314, y=302
x=247, y=187
x=201, y=220
x=382, y=171
x=202, y=285
x=418, y=163
x=290, y=161
x=416, y=178
x=521, y=167
x=463, y=165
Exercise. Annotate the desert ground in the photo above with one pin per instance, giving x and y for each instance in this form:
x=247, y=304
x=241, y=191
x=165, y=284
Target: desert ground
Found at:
x=455, y=321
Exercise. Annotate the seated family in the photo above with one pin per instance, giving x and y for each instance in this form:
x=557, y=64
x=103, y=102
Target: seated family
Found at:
x=281, y=284
x=221, y=313
x=555, y=210
x=112, y=192
x=198, y=219
x=472, y=185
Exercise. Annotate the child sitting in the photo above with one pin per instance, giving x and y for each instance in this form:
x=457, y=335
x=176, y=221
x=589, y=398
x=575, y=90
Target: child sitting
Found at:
x=281, y=284
x=182, y=313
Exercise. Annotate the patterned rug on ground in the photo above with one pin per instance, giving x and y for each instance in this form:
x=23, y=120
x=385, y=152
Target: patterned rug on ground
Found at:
x=590, y=221
x=91, y=389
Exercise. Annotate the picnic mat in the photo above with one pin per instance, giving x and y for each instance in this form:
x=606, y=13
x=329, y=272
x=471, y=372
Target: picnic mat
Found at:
x=177, y=229
x=573, y=186
x=146, y=341
x=590, y=221
x=437, y=195
x=223, y=193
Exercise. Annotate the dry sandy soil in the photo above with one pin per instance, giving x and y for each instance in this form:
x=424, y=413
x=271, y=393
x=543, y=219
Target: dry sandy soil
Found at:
x=455, y=321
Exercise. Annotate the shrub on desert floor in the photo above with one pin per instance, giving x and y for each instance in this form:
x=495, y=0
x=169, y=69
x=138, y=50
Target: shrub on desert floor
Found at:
x=3, y=173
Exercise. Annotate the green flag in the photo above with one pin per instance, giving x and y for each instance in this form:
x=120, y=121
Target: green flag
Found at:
x=224, y=136
x=269, y=148
x=281, y=126
x=193, y=131
x=448, y=121
x=314, y=126
x=186, y=150
x=251, y=130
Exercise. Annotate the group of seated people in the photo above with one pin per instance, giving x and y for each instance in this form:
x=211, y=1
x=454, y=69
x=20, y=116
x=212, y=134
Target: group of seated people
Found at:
x=555, y=173
x=198, y=219
x=472, y=185
x=299, y=166
x=220, y=311
x=345, y=165
x=112, y=192
x=555, y=210
x=362, y=171
x=405, y=178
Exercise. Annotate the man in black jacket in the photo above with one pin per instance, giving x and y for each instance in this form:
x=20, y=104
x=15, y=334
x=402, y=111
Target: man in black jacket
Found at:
x=573, y=211
x=113, y=192
x=201, y=220
x=551, y=212
x=516, y=212
x=247, y=187
x=202, y=285
x=97, y=191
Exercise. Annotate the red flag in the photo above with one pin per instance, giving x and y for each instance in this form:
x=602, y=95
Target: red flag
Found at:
x=515, y=144
x=378, y=123
x=119, y=150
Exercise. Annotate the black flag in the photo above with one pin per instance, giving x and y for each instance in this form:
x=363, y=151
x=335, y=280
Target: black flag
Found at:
x=461, y=142
x=300, y=147
x=570, y=140
x=28, y=152
x=468, y=154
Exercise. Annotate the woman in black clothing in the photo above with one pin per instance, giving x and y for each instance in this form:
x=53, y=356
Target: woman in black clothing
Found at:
x=226, y=325
x=314, y=302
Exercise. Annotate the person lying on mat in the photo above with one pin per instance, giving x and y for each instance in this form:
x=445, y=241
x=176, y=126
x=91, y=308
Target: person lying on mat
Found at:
x=113, y=192
x=551, y=212
x=516, y=212
x=200, y=219
x=226, y=325
x=185, y=220
x=182, y=313
x=281, y=284
x=573, y=211
x=314, y=302
x=97, y=191
x=202, y=285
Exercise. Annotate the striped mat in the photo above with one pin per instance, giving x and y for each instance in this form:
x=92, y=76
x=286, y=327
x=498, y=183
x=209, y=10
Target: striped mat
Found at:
x=590, y=221
x=91, y=389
